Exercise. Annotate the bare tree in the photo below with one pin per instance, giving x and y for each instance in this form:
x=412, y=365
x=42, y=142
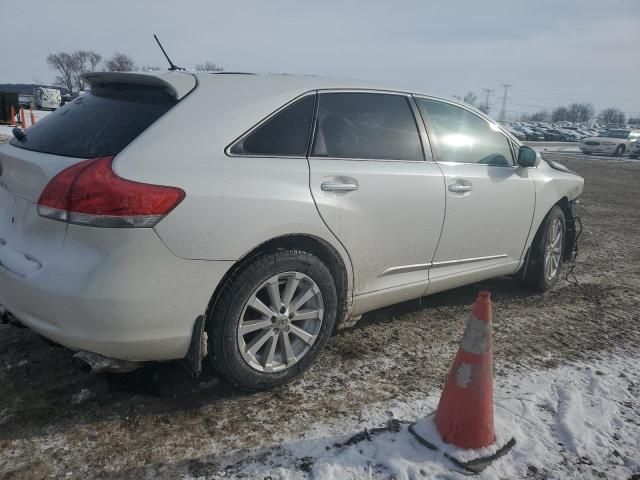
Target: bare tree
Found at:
x=587, y=112
x=484, y=108
x=470, y=98
x=94, y=60
x=120, y=62
x=560, y=114
x=541, y=116
x=612, y=115
x=86, y=61
x=209, y=67
x=71, y=65
x=66, y=65
x=580, y=112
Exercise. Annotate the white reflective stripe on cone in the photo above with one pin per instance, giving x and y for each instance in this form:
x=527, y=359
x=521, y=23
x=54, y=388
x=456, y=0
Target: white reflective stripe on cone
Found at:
x=477, y=336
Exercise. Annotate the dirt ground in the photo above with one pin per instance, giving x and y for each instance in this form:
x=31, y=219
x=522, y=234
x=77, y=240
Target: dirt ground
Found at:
x=57, y=421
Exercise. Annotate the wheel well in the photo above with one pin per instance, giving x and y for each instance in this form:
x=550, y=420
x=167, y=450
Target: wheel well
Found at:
x=308, y=243
x=570, y=237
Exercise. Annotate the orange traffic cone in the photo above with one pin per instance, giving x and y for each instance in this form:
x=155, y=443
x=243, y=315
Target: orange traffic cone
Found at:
x=12, y=121
x=33, y=117
x=22, y=119
x=465, y=412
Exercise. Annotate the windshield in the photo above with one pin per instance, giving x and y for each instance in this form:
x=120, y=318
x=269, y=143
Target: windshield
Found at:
x=615, y=134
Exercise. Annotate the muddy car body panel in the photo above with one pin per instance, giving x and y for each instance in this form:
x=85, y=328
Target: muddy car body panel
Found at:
x=396, y=220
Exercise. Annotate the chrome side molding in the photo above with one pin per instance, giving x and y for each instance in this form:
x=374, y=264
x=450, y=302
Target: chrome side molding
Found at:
x=427, y=266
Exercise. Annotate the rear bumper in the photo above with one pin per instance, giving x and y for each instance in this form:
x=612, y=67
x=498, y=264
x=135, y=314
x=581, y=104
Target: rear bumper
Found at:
x=116, y=292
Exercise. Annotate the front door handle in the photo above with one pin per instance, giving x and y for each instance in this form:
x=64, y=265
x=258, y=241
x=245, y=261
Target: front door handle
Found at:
x=338, y=187
x=459, y=188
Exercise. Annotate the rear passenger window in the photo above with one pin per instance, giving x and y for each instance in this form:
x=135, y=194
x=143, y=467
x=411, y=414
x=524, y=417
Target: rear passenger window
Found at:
x=99, y=123
x=366, y=126
x=464, y=137
x=284, y=134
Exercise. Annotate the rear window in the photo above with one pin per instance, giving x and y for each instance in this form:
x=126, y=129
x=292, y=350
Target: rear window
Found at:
x=99, y=123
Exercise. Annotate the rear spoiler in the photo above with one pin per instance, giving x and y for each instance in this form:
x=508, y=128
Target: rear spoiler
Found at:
x=178, y=84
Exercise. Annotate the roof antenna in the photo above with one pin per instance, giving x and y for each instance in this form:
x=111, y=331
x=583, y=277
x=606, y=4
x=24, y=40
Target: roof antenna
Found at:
x=172, y=66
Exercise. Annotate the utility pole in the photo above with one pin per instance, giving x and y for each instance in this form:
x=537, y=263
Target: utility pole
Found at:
x=488, y=92
x=503, y=110
x=486, y=101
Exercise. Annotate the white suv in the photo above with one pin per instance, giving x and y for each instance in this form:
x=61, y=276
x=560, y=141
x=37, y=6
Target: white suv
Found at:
x=167, y=216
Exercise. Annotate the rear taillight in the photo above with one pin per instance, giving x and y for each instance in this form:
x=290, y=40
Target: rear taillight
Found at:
x=90, y=193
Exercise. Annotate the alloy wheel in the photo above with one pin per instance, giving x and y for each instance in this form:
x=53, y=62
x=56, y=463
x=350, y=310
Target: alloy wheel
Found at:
x=553, y=250
x=280, y=322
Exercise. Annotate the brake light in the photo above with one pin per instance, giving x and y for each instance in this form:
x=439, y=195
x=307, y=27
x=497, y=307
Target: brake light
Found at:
x=90, y=193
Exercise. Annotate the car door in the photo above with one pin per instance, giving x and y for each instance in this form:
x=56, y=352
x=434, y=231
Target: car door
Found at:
x=376, y=191
x=490, y=200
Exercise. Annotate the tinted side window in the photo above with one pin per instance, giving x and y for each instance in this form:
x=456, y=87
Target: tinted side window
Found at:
x=99, y=123
x=284, y=134
x=463, y=137
x=366, y=125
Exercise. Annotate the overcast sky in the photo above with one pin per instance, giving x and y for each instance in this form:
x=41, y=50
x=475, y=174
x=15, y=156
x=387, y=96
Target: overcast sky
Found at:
x=552, y=51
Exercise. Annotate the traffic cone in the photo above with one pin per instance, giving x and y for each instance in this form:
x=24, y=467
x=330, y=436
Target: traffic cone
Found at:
x=33, y=117
x=465, y=413
x=22, y=119
x=12, y=121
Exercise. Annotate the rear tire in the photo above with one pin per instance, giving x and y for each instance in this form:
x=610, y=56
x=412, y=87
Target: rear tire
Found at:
x=545, y=260
x=236, y=327
x=619, y=151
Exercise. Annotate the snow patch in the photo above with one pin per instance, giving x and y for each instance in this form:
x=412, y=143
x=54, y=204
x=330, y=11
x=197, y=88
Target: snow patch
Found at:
x=82, y=396
x=577, y=421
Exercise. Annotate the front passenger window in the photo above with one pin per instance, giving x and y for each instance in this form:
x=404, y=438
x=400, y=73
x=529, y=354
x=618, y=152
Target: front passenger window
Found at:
x=463, y=137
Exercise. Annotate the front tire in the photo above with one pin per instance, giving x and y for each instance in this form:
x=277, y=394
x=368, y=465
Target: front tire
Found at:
x=619, y=151
x=272, y=319
x=547, y=252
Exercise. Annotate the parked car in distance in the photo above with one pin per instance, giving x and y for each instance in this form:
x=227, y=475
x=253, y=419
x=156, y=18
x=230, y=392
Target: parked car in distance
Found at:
x=611, y=142
x=553, y=135
x=25, y=101
x=634, y=152
x=533, y=134
x=294, y=205
x=519, y=134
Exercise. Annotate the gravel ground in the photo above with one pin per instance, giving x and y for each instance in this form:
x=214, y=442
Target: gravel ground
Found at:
x=57, y=421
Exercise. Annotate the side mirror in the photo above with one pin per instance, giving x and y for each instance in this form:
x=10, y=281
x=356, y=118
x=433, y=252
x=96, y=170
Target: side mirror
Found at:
x=527, y=156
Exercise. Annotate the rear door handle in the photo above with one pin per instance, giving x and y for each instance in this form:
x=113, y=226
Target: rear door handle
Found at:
x=338, y=187
x=459, y=188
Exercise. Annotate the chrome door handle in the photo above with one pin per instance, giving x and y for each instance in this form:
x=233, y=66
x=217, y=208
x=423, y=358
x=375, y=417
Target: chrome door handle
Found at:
x=458, y=188
x=338, y=187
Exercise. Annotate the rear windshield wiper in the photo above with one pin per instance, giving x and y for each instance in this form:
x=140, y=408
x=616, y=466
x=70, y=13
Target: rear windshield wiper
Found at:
x=19, y=134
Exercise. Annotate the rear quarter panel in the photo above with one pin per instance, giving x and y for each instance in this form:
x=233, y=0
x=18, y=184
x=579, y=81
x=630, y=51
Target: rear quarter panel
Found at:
x=232, y=204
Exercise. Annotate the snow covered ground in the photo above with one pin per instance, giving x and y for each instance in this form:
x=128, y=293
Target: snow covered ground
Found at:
x=578, y=421
x=543, y=147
